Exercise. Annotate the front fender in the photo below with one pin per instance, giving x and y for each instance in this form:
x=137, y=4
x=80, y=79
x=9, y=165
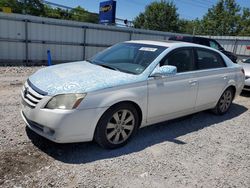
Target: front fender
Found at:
x=136, y=93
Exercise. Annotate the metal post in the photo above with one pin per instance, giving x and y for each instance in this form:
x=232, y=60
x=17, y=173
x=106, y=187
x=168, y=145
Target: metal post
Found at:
x=235, y=46
x=84, y=42
x=26, y=43
x=130, y=35
x=49, y=58
x=194, y=29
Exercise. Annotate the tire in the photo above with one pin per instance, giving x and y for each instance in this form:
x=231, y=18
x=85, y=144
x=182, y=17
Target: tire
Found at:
x=224, y=102
x=116, y=126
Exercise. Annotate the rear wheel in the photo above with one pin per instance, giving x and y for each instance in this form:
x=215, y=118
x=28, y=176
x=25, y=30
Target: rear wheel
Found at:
x=224, y=102
x=117, y=125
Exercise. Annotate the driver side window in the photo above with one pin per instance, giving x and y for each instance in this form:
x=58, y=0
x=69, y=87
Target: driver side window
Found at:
x=182, y=59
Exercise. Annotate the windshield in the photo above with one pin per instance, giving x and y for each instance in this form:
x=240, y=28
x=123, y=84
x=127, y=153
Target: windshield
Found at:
x=128, y=57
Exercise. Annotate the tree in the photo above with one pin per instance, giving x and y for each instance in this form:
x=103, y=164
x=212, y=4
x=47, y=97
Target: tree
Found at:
x=33, y=7
x=222, y=19
x=80, y=14
x=189, y=26
x=161, y=16
x=15, y=6
x=245, y=23
x=37, y=8
x=57, y=13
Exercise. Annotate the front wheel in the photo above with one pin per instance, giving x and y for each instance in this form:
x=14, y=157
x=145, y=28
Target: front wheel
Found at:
x=224, y=102
x=117, y=125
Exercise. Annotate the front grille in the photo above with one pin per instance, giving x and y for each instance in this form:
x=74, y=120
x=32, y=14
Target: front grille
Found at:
x=30, y=96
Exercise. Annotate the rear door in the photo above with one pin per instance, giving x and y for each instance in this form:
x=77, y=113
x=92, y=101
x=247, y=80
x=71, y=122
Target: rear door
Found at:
x=212, y=75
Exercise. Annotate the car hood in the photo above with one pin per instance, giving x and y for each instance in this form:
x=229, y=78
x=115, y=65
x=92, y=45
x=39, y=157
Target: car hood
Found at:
x=78, y=77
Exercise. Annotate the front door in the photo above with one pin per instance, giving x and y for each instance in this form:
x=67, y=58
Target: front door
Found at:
x=173, y=95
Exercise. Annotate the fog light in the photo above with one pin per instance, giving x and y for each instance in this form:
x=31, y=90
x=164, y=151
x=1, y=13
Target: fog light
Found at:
x=49, y=131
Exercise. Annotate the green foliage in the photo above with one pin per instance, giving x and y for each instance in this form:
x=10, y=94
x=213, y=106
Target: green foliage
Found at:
x=245, y=23
x=37, y=8
x=16, y=6
x=222, y=19
x=34, y=7
x=80, y=14
x=161, y=16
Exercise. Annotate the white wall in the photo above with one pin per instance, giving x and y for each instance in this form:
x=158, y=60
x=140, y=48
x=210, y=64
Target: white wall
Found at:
x=29, y=40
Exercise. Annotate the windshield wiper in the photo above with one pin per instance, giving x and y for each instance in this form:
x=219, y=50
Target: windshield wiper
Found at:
x=109, y=67
x=103, y=65
x=89, y=61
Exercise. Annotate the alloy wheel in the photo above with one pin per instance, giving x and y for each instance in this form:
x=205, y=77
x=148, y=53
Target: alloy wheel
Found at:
x=225, y=101
x=120, y=126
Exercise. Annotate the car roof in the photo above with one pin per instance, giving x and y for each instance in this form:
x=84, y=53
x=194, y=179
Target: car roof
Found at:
x=178, y=44
x=189, y=37
x=167, y=43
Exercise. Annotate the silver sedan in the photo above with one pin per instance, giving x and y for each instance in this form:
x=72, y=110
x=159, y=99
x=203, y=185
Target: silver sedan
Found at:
x=246, y=65
x=128, y=86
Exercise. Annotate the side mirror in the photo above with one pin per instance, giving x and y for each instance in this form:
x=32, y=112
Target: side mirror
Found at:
x=164, y=71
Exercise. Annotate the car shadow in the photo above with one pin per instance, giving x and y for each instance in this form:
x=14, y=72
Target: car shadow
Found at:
x=169, y=131
x=245, y=93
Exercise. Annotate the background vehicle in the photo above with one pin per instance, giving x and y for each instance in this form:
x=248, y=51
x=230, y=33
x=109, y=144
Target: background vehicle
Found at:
x=206, y=42
x=246, y=65
x=125, y=87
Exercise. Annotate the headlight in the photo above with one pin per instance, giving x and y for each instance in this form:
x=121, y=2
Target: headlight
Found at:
x=65, y=101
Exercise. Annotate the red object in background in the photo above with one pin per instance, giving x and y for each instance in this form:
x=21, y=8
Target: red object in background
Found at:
x=248, y=47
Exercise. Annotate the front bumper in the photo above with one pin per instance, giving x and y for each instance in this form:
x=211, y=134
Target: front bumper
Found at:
x=247, y=85
x=62, y=126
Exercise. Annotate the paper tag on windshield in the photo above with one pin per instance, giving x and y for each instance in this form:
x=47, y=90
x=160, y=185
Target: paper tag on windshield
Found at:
x=148, y=49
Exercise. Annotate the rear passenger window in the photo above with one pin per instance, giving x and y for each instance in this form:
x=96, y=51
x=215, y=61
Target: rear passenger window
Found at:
x=208, y=59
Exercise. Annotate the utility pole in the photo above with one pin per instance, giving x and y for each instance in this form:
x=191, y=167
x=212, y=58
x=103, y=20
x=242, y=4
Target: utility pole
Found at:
x=194, y=30
x=25, y=6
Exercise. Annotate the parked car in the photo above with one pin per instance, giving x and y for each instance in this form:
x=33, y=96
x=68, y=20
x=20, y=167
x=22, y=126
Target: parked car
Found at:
x=246, y=65
x=128, y=86
x=207, y=42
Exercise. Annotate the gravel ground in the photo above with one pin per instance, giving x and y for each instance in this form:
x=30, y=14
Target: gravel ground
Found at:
x=202, y=150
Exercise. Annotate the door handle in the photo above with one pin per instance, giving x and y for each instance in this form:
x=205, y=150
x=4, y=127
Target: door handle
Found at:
x=224, y=77
x=192, y=82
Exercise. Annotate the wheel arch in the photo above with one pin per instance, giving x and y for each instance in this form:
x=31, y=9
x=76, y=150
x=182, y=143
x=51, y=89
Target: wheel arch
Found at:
x=137, y=107
x=234, y=90
x=233, y=87
x=98, y=137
